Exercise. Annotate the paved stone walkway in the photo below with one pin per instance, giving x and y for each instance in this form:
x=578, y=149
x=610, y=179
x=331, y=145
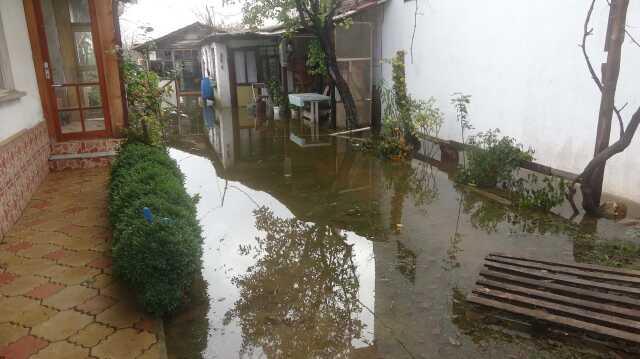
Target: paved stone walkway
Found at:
x=58, y=298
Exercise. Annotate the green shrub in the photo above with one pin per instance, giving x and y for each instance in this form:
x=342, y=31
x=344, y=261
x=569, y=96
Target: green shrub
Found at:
x=159, y=259
x=492, y=160
x=147, y=115
x=535, y=194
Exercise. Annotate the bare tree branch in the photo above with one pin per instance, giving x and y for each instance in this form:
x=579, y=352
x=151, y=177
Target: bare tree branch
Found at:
x=588, y=32
x=620, y=121
x=632, y=38
x=613, y=149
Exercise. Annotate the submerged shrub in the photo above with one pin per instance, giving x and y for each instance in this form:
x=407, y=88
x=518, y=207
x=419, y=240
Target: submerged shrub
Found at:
x=535, y=194
x=405, y=120
x=492, y=160
x=158, y=259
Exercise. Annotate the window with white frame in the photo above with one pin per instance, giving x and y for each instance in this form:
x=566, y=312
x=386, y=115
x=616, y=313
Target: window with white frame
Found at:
x=6, y=78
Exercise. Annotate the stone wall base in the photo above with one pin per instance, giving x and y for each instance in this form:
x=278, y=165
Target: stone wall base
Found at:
x=83, y=154
x=23, y=167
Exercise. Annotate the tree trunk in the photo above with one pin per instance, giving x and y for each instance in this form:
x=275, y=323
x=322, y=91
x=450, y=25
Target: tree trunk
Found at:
x=589, y=178
x=327, y=41
x=611, y=72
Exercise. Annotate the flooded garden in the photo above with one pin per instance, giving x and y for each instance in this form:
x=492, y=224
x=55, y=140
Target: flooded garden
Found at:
x=322, y=250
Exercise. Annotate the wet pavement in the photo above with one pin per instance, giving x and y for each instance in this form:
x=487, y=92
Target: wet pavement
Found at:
x=58, y=298
x=315, y=249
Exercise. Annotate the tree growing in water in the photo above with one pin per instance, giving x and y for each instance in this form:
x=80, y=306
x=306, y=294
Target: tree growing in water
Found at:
x=314, y=16
x=591, y=178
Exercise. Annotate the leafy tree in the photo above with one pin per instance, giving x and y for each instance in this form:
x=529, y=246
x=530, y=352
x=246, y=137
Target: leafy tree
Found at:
x=314, y=16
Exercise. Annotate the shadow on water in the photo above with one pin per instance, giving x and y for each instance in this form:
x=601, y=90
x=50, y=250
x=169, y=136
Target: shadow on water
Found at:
x=315, y=249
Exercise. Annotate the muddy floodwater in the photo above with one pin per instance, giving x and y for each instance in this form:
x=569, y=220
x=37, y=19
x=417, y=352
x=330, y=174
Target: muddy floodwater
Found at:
x=316, y=249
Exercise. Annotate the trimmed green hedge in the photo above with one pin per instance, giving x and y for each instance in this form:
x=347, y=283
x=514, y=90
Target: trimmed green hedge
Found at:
x=160, y=259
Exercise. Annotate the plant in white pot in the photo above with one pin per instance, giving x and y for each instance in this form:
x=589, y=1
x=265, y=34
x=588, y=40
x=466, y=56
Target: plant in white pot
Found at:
x=275, y=97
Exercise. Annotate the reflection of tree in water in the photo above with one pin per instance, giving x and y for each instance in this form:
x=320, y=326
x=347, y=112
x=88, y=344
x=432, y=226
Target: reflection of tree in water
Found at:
x=489, y=215
x=300, y=298
x=404, y=178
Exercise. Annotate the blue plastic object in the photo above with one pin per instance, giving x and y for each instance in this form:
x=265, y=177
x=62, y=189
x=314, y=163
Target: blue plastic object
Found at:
x=146, y=212
x=206, y=88
x=148, y=216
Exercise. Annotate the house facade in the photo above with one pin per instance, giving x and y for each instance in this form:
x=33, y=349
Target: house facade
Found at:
x=61, y=96
x=521, y=63
x=240, y=60
x=177, y=53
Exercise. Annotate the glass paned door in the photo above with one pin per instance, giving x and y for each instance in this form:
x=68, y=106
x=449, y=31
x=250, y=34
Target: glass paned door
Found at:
x=73, y=68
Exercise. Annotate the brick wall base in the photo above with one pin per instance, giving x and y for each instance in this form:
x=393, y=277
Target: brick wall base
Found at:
x=23, y=167
x=99, y=147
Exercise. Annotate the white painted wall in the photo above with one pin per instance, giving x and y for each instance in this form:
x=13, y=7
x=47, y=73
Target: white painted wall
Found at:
x=520, y=61
x=223, y=87
x=25, y=112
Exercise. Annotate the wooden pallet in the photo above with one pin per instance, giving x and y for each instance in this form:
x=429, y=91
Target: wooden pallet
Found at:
x=593, y=299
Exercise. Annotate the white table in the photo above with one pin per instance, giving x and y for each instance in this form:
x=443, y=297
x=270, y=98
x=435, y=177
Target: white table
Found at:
x=313, y=99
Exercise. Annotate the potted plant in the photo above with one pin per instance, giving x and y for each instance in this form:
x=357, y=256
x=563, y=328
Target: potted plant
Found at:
x=275, y=96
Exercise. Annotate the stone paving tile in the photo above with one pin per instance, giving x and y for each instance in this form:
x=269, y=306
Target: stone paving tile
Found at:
x=122, y=315
x=115, y=290
x=62, y=350
x=91, y=335
x=9, y=333
x=153, y=352
x=38, y=250
x=22, y=348
x=96, y=305
x=101, y=281
x=57, y=254
x=58, y=298
x=125, y=343
x=69, y=297
x=78, y=258
x=24, y=311
x=61, y=326
x=72, y=275
x=44, y=291
x=22, y=285
x=6, y=277
x=27, y=266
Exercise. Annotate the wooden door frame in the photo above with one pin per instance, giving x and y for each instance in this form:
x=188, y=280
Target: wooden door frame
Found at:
x=37, y=38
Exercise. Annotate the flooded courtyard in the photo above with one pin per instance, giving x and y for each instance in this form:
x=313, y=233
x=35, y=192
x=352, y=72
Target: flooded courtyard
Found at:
x=316, y=249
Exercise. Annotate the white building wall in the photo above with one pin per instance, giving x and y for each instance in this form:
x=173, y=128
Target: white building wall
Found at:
x=223, y=87
x=25, y=112
x=520, y=61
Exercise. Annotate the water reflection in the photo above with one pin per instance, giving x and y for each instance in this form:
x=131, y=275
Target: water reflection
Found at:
x=300, y=298
x=326, y=252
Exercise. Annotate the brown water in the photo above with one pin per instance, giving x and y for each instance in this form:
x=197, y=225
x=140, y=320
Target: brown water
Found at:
x=323, y=251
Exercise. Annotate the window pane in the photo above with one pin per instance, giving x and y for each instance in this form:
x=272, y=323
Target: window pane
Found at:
x=72, y=57
x=79, y=11
x=84, y=48
x=70, y=121
x=90, y=96
x=93, y=120
x=252, y=69
x=66, y=97
x=241, y=75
